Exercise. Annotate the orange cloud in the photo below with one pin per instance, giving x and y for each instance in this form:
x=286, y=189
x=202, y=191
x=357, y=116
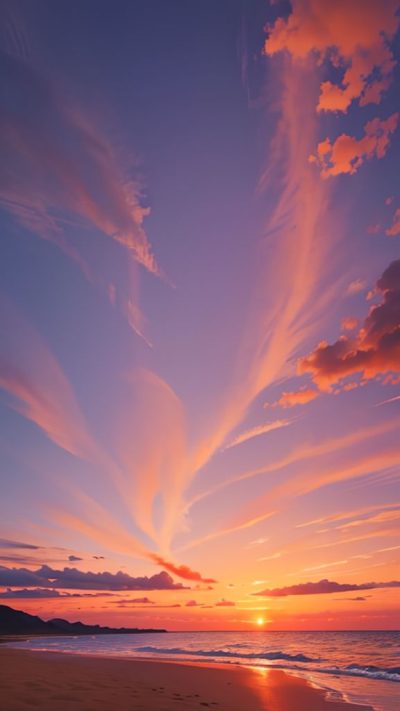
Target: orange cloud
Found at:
x=394, y=229
x=182, y=571
x=376, y=348
x=300, y=397
x=352, y=36
x=346, y=154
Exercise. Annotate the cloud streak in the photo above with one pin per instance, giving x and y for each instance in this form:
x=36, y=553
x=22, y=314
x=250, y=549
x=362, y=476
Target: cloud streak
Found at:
x=324, y=587
x=56, y=167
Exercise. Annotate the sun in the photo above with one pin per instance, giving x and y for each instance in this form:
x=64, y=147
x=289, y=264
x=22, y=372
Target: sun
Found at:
x=260, y=621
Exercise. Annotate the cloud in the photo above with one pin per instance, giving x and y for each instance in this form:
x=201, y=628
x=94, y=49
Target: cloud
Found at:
x=39, y=389
x=374, y=351
x=288, y=306
x=349, y=323
x=135, y=601
x=257, y=431
x=356, y=286
x=291, y=399
x=225, y=603
x=324, y=587
x=192, y=603
x=71, y=578
x=394, y=229
x=6, y=543
x=44, y=593
x=304, y=451
x=353, y=37
x=74, y=558
x=58, y=169
x=347, y=515
x=98, y=557
x=182, y=571
x=352, y=599
x=346, y=154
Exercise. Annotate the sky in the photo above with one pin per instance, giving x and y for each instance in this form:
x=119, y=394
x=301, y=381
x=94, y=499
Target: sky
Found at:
x=200, y=313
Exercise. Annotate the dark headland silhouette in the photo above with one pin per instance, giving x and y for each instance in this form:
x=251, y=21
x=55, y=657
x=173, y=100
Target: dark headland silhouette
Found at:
x=15, y=622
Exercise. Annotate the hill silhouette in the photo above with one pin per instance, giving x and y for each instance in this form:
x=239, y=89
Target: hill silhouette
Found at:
x=16, y=622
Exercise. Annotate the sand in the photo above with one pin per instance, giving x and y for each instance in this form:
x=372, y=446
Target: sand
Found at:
x=50, y=681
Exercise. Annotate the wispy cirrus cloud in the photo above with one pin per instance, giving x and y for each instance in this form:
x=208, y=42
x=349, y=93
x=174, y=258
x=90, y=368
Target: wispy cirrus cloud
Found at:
x=348, y=515
x=304, y=452
x=257, y=431
x=57, y=168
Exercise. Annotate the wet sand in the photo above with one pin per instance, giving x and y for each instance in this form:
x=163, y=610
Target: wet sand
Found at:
x=52, y=681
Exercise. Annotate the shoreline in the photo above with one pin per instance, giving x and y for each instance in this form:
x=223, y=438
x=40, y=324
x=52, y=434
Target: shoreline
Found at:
x=62, y=681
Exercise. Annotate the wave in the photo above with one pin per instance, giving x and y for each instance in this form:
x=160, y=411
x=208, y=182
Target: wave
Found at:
x=272, y=656
x=369, y=672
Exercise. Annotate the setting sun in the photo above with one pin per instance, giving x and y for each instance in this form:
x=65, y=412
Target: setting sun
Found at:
x=260, y=621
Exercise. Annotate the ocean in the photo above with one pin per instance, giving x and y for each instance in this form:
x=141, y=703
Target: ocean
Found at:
x=361, y=667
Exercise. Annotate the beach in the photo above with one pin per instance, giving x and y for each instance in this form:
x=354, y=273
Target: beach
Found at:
x=52, y=681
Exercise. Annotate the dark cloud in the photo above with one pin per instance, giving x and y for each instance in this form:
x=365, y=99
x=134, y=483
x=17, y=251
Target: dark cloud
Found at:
x=98, y=557
x=375, y=350
x=323, y=587
x=135, y=601
x=75, y=579
x=123, y=604
x=74, y=558
x=27, y=593
x=6, y=543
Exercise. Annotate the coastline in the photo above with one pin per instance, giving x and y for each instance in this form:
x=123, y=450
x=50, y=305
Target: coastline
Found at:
x=56, y=681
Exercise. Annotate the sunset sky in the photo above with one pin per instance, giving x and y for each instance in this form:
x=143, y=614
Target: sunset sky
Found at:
x=200, y=312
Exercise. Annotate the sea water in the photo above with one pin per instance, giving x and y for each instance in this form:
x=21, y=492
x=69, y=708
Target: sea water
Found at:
x=361, y=667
